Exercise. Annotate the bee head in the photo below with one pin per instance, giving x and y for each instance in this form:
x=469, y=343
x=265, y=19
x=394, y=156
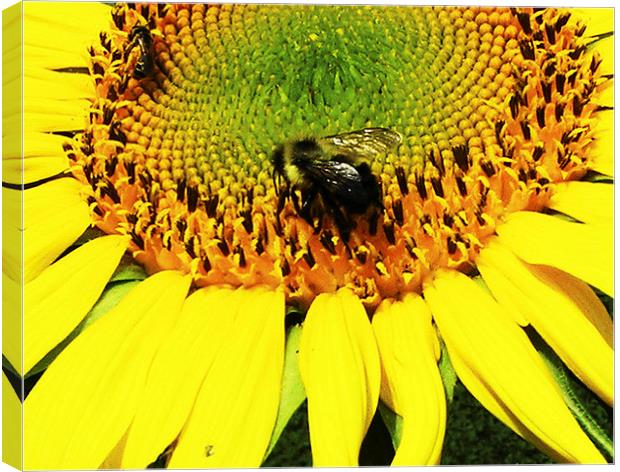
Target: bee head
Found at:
x=307, y=149
x=138, y=30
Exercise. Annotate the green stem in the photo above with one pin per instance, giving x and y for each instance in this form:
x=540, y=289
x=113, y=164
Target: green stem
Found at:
x=587, y=422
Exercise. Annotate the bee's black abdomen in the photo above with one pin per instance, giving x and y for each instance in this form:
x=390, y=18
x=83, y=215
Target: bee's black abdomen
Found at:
x=371, y=185
x=332, y=176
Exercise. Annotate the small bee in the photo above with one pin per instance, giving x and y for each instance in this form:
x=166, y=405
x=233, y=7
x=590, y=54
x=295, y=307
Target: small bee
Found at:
x=140, y=36
x=336, y=170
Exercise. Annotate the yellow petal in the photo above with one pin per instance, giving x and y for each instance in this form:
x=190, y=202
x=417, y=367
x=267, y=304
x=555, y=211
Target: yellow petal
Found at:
x=339, y=365
x=85, y=401
x=42, y=157
x=12, y=256
x=564, y=310
x=236, y=409
x=76, y=26
x=46, y=122
x=407, y=347
x=35, y=145
x=496, y=352
x=583, y=250
x=58, y=299
x=597, y=20
x=177, y=373
x=114, y=458
x=585, y=201
x=11, y=426
x=33, y=169
x=55, y=215
x=55, y=87
x=603, y=148
x=12, y=322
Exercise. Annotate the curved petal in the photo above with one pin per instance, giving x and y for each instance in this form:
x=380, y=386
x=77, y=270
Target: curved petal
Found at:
x=55, y=215
x=11, y=425
x=583, y=250
x=42, y=118
x=69, y=46
x=586, y=201
x=411, y=383
x=176, y=375
x=57, y=300
x=339, y=365
x=12, y=322
x=85, y=401
x=236, y=409
x=114, y=458
x=597, y=20
x=564, y=310
x=504, y=366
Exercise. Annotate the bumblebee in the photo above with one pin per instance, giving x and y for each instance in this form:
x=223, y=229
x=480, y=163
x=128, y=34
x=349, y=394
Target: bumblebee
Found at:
x=140, y=36
x=335, y=171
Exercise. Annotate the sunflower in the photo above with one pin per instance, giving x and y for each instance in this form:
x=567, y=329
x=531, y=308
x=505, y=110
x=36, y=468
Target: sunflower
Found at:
x=180, y=303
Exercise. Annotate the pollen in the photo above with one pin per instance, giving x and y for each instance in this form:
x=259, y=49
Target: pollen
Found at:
x=494, y=107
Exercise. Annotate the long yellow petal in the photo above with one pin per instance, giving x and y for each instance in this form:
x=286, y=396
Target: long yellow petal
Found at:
x=58, y=299
x=586, y=201
x=76, y=26
x=11, y=426
x=236, y=409
x=45, y=121
x=583, y=250
x=114, y=457
x=564, y=310
x=32, y=169
x=12, y=322
x=55, y=215
x=177, y=373
x=598, y=20
x=12, y=244
x=495, y=350
x=411, y=383
x=85, y=401
x=42, y=157
x=339, y=364
x=603, y=148
x=50, y=87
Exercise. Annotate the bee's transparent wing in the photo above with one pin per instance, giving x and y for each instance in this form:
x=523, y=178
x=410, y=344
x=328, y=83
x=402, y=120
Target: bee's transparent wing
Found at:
x=365, y=142
x=339, y=179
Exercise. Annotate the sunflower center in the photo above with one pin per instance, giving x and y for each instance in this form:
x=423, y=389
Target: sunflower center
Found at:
x=192, y=101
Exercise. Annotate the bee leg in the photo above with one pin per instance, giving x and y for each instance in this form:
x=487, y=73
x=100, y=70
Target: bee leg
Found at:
x=295, y=200
x=343, y=223
x=308, y=199
x=282, y=196
x=306, y=207
x=132, y=44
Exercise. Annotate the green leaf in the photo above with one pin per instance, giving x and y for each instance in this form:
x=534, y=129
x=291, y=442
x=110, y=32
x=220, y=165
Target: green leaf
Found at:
x=293, y=393
x=110, y=297
x=128, y=270
x=574, y=403
x=88, y=235
x=606, y=300
x=393, y=422
x=597, y=177
x=446, y=370
x=6, y=365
